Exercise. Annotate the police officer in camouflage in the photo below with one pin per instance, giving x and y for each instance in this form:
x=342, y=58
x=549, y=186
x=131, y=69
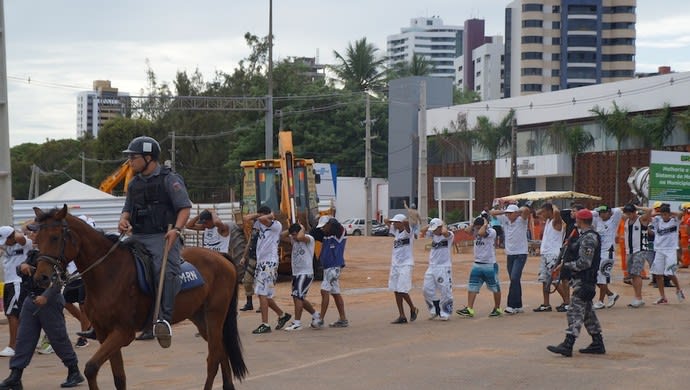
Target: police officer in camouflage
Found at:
x=156, y=199
x=582, y=258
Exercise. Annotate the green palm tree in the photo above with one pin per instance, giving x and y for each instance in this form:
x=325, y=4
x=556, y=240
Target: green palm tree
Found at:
x=417, y=66
x=655, y=130
x=359, y=69
x=617, y=124
x=570, y=140
x=493, y=138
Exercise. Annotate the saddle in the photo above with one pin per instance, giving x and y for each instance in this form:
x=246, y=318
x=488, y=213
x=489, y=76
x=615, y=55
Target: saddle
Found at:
x=190, y=277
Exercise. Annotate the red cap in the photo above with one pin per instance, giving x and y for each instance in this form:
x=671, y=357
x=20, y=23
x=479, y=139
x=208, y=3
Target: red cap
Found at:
x=583, y=214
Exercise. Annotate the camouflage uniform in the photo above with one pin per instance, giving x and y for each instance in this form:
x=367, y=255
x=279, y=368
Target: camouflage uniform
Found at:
x=583, y=261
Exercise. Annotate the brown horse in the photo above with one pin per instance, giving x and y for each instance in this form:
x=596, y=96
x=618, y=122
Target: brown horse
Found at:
x=118, y=308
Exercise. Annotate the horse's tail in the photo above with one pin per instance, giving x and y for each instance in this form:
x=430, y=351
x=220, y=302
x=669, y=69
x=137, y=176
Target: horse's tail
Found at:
x=231, y=340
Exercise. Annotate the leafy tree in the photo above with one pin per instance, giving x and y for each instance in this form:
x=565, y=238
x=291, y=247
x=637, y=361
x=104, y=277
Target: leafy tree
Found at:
x=570, y=140
x=464, y=96
x=359, y=69
x=618, y=124
x=654, y=130
x=492, y=138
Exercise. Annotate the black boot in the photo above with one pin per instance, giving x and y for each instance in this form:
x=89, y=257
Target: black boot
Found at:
x=14, y=381
x=147, y=334
x=89, y=333
x=597, y=346
x=73, y=377
x=565, y=348
x=248, y=306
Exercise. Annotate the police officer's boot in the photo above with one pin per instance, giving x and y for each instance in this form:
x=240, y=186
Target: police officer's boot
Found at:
x=14, y=381
x=74, y=377
x=597, y=346
x=565, y=348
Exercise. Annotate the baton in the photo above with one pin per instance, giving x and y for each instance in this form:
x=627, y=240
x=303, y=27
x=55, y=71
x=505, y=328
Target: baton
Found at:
x=159, y=293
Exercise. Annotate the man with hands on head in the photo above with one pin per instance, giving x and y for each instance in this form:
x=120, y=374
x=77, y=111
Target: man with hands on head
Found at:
x=402, y=264
x=438, y=277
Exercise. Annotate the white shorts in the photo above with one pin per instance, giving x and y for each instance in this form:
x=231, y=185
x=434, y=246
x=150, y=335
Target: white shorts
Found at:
x=265, y=278
x=400, y=278
x=331, y=280
x=604, y=273
x=665, y=262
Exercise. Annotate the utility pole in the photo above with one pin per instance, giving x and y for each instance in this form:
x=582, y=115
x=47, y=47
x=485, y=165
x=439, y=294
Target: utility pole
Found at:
x=367, y=166
x=5, y=161
x=172, y=151
x=513, y=156
x=269, y=99
x=422, y=206
x=83, y=167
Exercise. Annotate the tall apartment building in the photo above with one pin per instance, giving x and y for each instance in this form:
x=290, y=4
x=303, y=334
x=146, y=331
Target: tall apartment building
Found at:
x=559, y=44
x=95, y=107
x=428, y=37
x=486, y=78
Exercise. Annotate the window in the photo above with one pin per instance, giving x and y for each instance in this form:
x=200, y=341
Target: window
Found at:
x=532, y=39
x=556, y=41
x=618, y=73
x=532, y=23
x=532, y=7
x=617, y=41
x=555, y=56
x=582, y=25
x=582, y=56
x=582, y=9
x=582, y=40
x=619, y=10
x=617, y=57
x=618, y=26
x=531, y=71
x=582, y=73
x=555, y=87
x=556, y=25
x=532, y=55
x=555, y=73
x=530, y=87
x=556, y=9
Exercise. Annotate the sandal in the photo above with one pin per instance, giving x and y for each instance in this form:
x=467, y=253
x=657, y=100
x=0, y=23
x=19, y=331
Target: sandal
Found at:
x=400, y=320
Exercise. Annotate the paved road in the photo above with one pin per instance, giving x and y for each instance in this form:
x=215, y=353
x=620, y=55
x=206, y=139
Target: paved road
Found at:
x=647, y=348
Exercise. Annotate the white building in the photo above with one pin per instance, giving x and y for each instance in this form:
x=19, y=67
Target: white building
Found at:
x=488, y=69
x=95, y=107
x=429, y=37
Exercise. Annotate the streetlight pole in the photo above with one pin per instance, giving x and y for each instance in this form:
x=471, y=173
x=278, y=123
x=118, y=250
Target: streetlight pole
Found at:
x=269, y=99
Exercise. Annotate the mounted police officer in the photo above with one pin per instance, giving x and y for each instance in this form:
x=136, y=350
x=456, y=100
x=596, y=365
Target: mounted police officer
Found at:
x=156, y=199
x=42, y=309
x=582, y=257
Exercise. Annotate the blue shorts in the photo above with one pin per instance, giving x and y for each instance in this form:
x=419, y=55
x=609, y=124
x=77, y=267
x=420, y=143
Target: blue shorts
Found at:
x=484, y=273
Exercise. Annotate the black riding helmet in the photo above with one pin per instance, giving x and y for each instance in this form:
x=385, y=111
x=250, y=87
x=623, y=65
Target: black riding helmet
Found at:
x=145, y=146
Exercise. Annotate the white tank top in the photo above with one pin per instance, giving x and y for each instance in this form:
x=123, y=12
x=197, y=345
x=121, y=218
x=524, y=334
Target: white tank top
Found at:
x=633, y=237
x=215, y=241
x=552, y=240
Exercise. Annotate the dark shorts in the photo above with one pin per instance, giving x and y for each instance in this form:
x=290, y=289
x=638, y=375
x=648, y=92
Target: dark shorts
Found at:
x=74, y=292
x=12, y=298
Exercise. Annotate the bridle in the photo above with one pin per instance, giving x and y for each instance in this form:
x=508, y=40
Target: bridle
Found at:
x=58, y=263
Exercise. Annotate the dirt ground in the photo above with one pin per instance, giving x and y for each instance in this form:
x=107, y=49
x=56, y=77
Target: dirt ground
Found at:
x=646, y=348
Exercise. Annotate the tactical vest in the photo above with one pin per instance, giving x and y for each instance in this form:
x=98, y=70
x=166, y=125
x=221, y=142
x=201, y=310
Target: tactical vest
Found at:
x=151, y=207
x=589, y=275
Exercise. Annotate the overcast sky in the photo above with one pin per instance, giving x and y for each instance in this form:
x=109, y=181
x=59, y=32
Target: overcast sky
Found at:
x=63, y=45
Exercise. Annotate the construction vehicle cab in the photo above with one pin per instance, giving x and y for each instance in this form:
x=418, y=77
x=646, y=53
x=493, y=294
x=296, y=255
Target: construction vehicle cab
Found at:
x=287, y=185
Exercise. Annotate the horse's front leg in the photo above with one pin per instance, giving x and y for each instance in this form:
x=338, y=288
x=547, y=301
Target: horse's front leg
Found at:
x=110, y=349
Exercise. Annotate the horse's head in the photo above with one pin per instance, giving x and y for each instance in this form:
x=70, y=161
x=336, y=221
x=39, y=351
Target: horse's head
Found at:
x=57, y=244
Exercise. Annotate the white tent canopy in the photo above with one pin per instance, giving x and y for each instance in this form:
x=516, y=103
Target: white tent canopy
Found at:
x=549, y=195
x=73, y=189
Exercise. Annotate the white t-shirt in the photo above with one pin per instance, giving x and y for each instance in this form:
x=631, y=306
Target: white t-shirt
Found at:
x=15, y=255
x=515, y=234
x=607, y=229
x=267, y=244
x=665, y=233
x=484, y=251
x=402, y=248
x=215, y=241
x=552, y=239
x=303, y=256
x=440, y=254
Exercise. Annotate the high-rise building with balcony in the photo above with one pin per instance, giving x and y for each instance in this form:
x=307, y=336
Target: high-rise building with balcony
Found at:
x=95, y=107
x=559, y=44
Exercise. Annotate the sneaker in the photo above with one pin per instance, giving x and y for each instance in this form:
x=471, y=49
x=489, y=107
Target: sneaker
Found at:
x=263, y=328
x=282, y=320
x=680, y=295
x=466, y=312
x=661, y=301
x=496, y=312
x=399, y=320
x=443, y=317
x=433, y=316
x=7, y=352
x=543, y=307
x=247, y=307
x=509, y=310
x=316, y=323
x=163, y=333
x=611, y=300
x=147, y=334
x=89, y=333
x=598, y=305
x=46, y=349
x=636, y=303
x=42, y=343
x=82, y=342
x=339, y=324
x=413, y=314
x=293, y=326
x=562, y=308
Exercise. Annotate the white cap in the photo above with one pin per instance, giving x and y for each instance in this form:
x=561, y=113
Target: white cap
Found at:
x=88, y=220
x=435, y=224
x=398, y=218
x=323, y=220
x=512, y=208
x=5, y=232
